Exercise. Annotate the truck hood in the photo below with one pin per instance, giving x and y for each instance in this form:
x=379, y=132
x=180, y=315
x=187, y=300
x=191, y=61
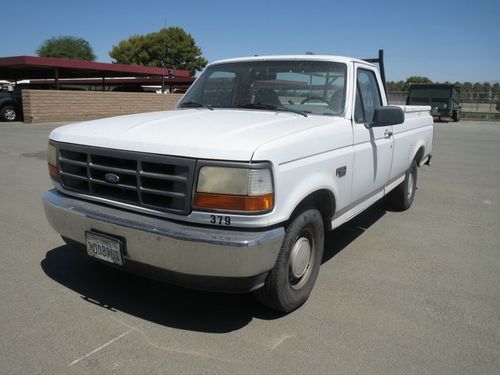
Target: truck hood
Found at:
x=223, y=134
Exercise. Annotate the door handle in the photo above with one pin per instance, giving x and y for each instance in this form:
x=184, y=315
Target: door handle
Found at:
x=387, y=134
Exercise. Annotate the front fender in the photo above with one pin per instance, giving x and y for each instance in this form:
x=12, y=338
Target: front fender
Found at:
x=299, y=179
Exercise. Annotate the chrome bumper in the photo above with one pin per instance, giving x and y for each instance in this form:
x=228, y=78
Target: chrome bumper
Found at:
x=163, y=244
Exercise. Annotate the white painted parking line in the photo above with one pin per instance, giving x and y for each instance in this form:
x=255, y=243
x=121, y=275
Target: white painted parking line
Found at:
x=101, y=347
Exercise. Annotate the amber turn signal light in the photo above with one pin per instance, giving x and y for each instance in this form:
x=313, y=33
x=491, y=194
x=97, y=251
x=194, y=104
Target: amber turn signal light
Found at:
x=53, y=171
x=241, y=203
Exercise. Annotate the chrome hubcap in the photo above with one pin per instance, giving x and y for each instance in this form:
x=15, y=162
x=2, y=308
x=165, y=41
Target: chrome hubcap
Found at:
x=10, y=114
x=300, y=258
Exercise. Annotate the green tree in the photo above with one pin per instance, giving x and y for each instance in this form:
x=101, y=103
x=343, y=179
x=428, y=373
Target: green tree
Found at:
x=486, y=87
x=415, y=79
x=393, y=86
x=70, y=47
x=466, y=88
x=170, y=47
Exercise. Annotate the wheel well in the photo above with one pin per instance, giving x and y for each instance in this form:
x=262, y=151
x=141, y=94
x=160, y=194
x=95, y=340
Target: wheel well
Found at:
x=6, y=104
x=419, y=155
x=323, y=200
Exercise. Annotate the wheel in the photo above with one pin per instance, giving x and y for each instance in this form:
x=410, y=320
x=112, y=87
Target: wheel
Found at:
x=292, y=278
x=402, y=196
x=314, y=98
x=456, y=116
x=8, y=113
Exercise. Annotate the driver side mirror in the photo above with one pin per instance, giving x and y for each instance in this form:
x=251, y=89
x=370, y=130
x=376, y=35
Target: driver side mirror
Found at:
x=387, y=115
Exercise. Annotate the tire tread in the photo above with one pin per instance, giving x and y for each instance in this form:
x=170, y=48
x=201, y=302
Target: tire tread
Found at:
x=271, y=294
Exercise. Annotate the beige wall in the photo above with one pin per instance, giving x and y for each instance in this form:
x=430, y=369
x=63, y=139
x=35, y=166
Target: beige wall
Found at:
x=65, y=105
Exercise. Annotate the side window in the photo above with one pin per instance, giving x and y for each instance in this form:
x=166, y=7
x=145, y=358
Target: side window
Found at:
x=367, y=96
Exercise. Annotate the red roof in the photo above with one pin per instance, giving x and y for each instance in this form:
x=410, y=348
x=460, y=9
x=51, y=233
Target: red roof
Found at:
x=117, y=81
x=31, y=67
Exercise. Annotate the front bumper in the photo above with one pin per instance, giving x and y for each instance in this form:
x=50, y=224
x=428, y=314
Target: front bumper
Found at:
x=193, y=256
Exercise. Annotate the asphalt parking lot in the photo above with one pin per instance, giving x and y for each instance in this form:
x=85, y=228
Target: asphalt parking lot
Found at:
x=415, y=292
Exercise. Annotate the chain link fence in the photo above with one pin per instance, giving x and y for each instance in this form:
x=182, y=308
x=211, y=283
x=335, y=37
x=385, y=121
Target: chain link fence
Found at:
x=475, y=105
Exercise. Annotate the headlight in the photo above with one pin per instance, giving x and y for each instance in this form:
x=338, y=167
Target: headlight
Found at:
x=52, y=161
x=234, y=189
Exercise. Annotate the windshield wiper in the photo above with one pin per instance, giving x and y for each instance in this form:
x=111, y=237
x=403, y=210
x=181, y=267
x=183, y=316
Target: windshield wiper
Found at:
x=272, y=107
x=195, y=104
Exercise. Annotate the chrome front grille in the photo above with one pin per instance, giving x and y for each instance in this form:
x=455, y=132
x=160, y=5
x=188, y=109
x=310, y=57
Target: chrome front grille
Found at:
x=152, y=181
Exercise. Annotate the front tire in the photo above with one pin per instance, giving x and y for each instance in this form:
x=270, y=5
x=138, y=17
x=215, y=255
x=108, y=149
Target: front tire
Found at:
x=8, y=113
x=292, y=278
x=402, y=196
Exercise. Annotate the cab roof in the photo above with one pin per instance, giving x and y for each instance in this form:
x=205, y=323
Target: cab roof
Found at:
x=332, y=58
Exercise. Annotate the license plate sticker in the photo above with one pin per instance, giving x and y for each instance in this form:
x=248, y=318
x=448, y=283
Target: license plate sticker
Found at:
x=103, y=247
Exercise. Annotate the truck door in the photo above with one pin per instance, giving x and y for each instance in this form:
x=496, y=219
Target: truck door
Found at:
x=373, y=147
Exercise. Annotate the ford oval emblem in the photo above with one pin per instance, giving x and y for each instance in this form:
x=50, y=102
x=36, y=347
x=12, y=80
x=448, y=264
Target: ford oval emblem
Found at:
x=112, y=178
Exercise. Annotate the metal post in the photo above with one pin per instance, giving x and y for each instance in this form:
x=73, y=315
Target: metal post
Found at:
x=103, y=83
x=380, y=62
x=163, y=83
x=490, y=117
x=381, y=66
x=56, y=75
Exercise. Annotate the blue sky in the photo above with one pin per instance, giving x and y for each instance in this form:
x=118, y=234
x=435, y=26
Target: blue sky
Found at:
x=444, y=40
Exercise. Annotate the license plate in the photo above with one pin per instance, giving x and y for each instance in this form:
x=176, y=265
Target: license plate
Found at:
x=105, y=248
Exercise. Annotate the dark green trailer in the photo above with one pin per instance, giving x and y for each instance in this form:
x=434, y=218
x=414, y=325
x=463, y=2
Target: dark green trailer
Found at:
x=444, y=99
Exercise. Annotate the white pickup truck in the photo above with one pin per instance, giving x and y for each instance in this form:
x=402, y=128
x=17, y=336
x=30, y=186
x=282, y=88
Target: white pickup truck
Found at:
x=232, y=191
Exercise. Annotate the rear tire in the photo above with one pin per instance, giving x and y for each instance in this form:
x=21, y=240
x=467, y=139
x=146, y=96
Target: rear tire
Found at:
x=290, y=282
x=8, y=113
x=456, y=116
x=402, y=196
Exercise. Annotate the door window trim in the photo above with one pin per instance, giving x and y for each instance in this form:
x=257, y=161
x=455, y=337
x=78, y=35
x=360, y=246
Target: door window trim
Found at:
x=377, y=83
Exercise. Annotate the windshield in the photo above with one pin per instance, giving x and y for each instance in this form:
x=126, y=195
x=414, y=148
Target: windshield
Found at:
x=305, y=87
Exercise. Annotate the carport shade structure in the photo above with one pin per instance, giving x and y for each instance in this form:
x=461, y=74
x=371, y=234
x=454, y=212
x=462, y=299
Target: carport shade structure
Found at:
x=17, y=68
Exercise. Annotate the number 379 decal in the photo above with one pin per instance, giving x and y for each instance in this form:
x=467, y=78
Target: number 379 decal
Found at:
x=220, y=220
